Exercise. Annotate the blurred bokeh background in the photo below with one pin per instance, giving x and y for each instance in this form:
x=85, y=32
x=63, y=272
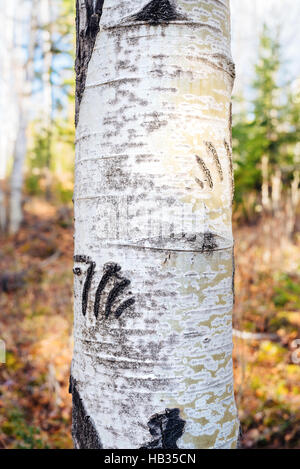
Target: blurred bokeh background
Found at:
x=37, y=50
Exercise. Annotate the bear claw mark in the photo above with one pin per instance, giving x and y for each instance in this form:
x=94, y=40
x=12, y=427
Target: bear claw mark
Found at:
x=200, y=183
x=117, y=289
x=205, y=171
x=110, y=270
x=126, y=304
x=79, y=258
x=87, y=286
x=211, y=150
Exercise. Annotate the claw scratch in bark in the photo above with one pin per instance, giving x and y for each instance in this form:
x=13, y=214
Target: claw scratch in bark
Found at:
x=212, y=151
x=206, y=171
x=87, y=286
x=199, y=182
x=109, y=271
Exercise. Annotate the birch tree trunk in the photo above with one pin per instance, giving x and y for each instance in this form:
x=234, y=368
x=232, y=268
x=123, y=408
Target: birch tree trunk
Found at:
x=46, y=21
x=47, y=39
x=24, y=95
x=7, y=99
x=16, y=180
x=153, y=273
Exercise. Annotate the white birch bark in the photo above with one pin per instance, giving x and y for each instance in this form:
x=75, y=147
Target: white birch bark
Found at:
x=47, y=114
x=7, y=94
x=7, y=98
x=24, y=96
x=46, y=23
x=17, y=176
x=152, y=363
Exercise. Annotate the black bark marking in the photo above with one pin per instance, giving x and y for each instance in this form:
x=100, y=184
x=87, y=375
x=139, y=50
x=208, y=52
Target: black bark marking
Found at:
x=87, y=286
x=211, y=150
x=117, y=290
x=84, y=433
x=199, y=182
x=126, y=304
x=88, y=281
x=110, y=270
x=205, y=171
x=82, y=259
x=77, y=271
x=85, y=42
x=209, y=242
x=157, y=12
x=229, y=155
x=166, y=429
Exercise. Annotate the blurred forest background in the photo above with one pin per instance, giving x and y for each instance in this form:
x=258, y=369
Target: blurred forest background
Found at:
x=36, y=222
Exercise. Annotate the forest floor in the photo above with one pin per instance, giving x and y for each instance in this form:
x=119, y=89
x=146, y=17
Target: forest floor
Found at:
x=36, y=324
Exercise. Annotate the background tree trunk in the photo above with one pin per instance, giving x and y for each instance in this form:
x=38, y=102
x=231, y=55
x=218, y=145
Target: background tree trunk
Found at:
x=7, y=98
x=16, y=181
x=24, y=94
x=152, y=364
x=47, y=40
x=2, y=209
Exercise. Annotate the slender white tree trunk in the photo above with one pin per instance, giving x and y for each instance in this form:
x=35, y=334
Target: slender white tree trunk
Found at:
x=152, y=364
x=47, y=21
x=24, y=96
x=276, y=190
x=16, y=180
x=7, y=98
